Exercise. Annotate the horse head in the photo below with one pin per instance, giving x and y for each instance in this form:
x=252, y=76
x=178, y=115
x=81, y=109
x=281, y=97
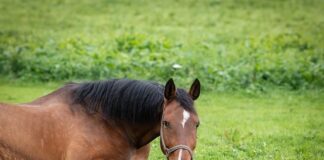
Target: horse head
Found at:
x=179, y=121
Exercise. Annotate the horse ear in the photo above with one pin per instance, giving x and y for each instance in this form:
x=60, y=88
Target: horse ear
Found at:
x=195, y=89
x=169, y=90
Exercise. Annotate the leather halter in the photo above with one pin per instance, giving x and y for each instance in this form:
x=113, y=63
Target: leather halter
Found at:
x=167, y=150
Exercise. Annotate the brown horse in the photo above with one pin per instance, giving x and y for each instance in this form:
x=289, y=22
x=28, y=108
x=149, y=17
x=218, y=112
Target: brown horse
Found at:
x=114, y=119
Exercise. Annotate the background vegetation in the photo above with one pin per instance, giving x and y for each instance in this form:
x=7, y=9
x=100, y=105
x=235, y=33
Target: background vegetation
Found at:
x=264, y=59
x=248, y=44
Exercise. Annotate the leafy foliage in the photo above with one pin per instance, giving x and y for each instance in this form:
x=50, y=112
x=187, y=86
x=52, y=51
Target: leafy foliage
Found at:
x=227, y=45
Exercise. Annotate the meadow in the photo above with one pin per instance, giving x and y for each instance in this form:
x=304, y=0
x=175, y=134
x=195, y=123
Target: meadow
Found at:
x=260, y=62
x=229, y=45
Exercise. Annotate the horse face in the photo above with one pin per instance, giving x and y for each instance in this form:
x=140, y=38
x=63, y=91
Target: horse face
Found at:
x=179, y=123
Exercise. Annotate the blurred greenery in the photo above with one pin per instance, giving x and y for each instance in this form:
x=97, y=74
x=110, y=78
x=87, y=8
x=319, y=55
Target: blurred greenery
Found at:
x=228, y=45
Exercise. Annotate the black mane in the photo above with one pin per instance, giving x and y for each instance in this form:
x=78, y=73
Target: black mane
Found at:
x=122, y=99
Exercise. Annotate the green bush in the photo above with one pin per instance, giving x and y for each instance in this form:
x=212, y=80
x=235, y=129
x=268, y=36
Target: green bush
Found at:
x=281, y=60
x=228, y=45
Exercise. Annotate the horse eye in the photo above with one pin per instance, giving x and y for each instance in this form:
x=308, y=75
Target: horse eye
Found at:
x=166, y=124
x=197, y=125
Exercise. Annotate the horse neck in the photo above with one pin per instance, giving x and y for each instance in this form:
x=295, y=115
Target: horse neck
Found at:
x=141, y=134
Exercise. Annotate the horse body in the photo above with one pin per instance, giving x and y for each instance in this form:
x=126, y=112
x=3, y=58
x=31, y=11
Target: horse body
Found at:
x=23, y=131
x=78, y=122
x=50, y=128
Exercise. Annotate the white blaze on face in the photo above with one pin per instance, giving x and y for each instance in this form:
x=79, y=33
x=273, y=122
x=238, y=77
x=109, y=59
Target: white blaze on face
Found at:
x=186, y=116
x=180, y=154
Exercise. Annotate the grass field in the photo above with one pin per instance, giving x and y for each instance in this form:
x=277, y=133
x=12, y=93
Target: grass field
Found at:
x=276, y=125
x=228, y=44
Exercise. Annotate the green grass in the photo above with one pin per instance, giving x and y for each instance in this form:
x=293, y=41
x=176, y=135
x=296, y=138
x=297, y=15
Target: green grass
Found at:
x=275, y=125
x=227, y=44
x=19, y=93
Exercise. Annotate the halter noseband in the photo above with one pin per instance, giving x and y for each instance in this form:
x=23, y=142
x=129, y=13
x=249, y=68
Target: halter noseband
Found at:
x=167, y=150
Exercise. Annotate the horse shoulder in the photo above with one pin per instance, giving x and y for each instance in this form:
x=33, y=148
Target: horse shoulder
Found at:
x=94, y=139
x=142, y=153
x=91, y=149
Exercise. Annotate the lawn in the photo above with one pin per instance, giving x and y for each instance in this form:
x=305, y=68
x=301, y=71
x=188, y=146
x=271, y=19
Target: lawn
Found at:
x=228, y=44
x=275, y=125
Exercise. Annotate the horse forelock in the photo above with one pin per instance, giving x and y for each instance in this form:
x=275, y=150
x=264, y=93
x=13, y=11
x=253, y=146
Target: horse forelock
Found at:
x=185, y=100
x=129, y=100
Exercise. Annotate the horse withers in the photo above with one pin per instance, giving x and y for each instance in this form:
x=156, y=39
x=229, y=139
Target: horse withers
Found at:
x=113, y=119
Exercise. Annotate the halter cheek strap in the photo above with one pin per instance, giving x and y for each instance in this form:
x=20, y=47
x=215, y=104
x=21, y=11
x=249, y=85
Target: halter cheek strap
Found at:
x=167, y=150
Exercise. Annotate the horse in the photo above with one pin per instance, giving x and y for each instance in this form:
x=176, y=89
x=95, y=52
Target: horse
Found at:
x=109, y=119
